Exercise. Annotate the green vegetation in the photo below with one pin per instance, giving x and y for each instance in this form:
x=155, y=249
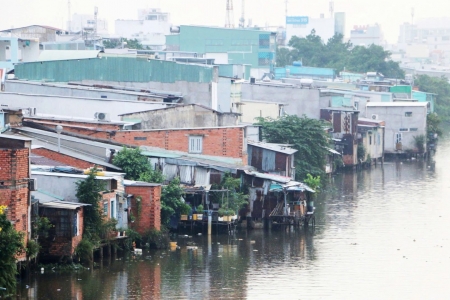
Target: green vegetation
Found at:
x=306, y=135
x=136, y=166
x=233, y=200
x=338, y=55
x=171, y=200
x=96, y=228
x=11, y=244
x=441, y=87
x=313, y=182
x=130, y=44
x=361, y=153
x=419, y=143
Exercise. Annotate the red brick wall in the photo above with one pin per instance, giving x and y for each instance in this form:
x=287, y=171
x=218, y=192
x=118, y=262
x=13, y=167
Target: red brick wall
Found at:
x=216, y=141
x=64, y=159
x=14, y=193
x=150, y=215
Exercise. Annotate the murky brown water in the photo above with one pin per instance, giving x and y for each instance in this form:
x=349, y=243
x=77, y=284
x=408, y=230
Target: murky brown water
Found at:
x=381, y=234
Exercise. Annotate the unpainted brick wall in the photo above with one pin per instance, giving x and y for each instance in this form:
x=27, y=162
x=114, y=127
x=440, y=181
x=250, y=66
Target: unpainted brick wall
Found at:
x=150, y=215
x=14, y=192
x=228, y=142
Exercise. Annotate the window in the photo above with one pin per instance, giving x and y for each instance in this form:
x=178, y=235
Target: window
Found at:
x=140, y=138
x=105, y=208
x=370, y=139
x=408, y=114
x=413, y=129
x=398, y=138
x=403, y=129
x=113, y=208
x=195, y=144
x=356, y=105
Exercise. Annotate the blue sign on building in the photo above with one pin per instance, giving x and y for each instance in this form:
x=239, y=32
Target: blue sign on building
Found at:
x=297, y=20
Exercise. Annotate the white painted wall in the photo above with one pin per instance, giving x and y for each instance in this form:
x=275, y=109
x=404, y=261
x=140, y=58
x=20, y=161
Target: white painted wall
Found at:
x=324, y=28
x=76, y=107
x=395, y=118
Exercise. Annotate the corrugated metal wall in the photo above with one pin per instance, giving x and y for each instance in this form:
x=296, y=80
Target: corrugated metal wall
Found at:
x=122, y=69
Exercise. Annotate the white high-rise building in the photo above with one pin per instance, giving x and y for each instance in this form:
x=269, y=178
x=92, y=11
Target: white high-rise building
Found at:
x=150, y=29
x=367, y=35
x=325, y=27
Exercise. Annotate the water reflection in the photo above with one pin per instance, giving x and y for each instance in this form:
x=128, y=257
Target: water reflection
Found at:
x=379, y=234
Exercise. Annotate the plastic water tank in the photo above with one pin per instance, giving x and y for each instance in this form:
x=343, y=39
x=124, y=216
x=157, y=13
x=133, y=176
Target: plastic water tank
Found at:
x=297, y=63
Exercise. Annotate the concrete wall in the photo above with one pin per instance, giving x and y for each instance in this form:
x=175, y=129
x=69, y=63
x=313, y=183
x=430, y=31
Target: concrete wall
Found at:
x=182, y=117
x=26, y=87
x=251, y=110
x=76, y=107
x=193, y=92
x=299, y=101
x=395, y=120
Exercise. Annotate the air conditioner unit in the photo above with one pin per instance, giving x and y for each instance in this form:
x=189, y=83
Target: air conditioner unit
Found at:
x=32, y=111
x=374, y=117
x=101, y=116
x=32, y=185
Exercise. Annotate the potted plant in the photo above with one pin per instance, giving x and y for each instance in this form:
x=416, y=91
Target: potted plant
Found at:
x=200, y=212
x=185, y=210
x=221, y=212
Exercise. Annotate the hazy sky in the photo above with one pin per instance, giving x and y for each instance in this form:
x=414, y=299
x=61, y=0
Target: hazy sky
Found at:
x=389, y=13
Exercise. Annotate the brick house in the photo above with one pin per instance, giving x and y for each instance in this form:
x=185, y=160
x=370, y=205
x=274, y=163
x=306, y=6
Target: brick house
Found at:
x=15, y=182
x=67, y=219
x=145, y=204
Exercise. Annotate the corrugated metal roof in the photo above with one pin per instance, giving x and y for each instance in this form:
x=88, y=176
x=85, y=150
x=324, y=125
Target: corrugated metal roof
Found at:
x=274, y=147
x=139, y=183
x=69, y=175
x=52, y=55
x=393, y=104
x=119, y=69
x=62, y=204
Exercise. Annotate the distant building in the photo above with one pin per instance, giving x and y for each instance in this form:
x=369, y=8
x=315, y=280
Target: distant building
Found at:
x=81, y=21
x=33, y=32
x=404, y=121
x=434, y=33
x=150, y=29
x=227, y=45
x=301, y=26
x=367, y=35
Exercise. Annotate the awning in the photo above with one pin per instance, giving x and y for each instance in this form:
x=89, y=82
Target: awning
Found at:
x=62, y=205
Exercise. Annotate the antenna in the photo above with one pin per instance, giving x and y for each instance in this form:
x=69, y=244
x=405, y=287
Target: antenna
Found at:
x=286, y=8
x=229, y=21
x=331, y=8
x=69, y=25
x=242, y=19
x=95, y=20
x=412, y=15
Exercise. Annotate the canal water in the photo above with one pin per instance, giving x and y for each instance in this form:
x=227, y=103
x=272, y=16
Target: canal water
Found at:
x=380, y=234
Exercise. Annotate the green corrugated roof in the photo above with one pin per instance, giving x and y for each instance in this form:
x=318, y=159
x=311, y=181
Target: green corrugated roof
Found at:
x=122, y=69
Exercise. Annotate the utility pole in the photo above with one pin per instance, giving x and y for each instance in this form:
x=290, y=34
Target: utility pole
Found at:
x=242, y=19
x=229, y=21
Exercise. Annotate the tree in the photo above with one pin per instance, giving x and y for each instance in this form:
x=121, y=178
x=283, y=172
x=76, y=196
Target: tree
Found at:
x=11, y=245
x=337, y=54
x=127, y=43
x=136, y=166
x=304, y=134
x=88, y=191
x=439, y=86
x=171, y=200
